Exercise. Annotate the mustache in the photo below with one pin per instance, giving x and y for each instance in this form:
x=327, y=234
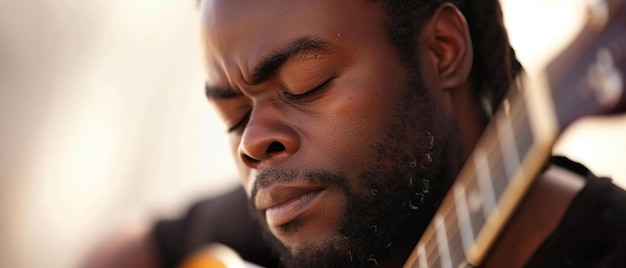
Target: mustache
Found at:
x=267, y=177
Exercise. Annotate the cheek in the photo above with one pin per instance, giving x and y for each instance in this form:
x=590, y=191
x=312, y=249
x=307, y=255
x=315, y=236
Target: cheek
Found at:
x=357, y=124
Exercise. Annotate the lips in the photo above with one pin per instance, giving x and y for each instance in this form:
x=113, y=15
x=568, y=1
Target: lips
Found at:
x=284, y=203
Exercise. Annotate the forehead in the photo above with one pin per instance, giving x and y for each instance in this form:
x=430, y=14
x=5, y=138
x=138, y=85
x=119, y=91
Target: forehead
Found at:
x=238, y=33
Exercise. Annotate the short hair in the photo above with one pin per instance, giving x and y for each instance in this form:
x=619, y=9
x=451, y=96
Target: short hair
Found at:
x=494, y=66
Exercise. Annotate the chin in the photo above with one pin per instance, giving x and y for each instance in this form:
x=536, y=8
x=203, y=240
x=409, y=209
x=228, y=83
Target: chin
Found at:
x=319, y=244
x=331, y=250
x=300, y=235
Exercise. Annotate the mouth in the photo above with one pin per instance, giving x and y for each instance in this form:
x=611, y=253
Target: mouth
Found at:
x=284, y=203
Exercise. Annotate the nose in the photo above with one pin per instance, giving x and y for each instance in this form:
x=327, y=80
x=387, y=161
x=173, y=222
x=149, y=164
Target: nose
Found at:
x=266, y=137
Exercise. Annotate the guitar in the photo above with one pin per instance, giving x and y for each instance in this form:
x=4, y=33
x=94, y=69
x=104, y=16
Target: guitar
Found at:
x=587, y=78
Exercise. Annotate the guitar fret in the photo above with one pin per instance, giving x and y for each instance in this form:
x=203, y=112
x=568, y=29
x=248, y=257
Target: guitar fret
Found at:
x=484, y=182
x=432, y=249
x=475, y=201
x=453, y=233
x=500, y=180
x=523, y=128
x=507, y=141
x=436, y=261
x=442, y=240
x=496, y=166
x=422, y=257
x=467, y=234
x=457, y=255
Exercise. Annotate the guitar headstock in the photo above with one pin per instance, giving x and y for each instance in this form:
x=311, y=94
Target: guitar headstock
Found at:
x=589, y=77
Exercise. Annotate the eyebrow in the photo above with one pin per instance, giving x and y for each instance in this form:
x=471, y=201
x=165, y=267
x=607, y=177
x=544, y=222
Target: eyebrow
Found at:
x=278, y=57
x=219, y=93
x=271, y=63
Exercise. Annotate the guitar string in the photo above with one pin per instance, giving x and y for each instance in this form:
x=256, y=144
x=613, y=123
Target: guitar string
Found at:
x=451, y=233
x=451, y=218
x=490, y=152
x=517, y=108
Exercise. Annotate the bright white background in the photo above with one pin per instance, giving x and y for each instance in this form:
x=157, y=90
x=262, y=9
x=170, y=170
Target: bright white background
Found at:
x=103, y=119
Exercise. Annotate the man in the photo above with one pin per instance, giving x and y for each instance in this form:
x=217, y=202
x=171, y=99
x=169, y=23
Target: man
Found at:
x=339, y=115
x=349, y=120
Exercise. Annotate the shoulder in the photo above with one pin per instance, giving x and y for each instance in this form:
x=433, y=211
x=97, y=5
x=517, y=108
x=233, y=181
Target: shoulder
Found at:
x=593, y=230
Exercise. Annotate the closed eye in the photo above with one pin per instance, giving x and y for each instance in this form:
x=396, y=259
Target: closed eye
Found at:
x=241, y=122
x=304, y=96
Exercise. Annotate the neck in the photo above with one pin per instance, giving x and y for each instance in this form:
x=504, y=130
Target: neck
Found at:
x=470, y=121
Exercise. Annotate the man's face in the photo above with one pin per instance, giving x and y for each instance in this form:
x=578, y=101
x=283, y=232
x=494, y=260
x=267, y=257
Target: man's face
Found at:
x=340, y=146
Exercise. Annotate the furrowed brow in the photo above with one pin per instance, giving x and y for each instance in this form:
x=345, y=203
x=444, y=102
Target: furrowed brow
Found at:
x=218, y=93
x=278, y=57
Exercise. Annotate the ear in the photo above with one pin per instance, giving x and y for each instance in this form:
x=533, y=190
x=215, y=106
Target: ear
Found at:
x=447, y=45
x=450, y=45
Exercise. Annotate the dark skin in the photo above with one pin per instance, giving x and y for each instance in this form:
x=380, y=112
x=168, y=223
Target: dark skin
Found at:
x=313, y=85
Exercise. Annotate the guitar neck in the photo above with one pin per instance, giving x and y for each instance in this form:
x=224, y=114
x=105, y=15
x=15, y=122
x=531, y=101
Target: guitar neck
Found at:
x=516, y=145
x=486, y=192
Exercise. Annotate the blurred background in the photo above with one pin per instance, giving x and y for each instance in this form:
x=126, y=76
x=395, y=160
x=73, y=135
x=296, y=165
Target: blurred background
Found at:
x=103, y=120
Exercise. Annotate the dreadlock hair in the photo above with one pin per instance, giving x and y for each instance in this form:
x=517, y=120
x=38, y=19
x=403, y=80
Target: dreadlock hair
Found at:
x=495, y=65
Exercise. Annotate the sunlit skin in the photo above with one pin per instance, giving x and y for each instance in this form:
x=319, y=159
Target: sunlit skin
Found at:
x=311, y=85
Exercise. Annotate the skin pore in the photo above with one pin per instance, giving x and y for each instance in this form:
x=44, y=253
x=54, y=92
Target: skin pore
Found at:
x=344, y=146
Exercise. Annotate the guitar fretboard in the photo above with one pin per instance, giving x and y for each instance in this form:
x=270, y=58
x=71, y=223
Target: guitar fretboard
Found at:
x=475, y=197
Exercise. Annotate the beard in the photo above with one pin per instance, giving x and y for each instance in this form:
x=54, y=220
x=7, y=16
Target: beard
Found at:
x=410, y=170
